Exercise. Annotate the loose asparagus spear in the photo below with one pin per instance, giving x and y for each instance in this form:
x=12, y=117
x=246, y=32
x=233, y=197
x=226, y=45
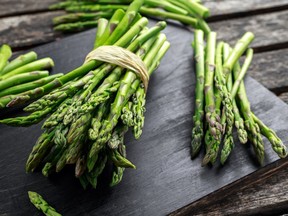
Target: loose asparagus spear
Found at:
x=252, y=128
x=275, y=141
x=198, y=118
x=28, y=86
x=20, y=61
x=42, y=64
x=228, y=142
x=22, y=78
x=41, y=204
x=5, y=54
x=212, y=118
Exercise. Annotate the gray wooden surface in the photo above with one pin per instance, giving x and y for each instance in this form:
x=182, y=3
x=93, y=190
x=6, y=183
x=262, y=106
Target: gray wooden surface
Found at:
x=26, y=23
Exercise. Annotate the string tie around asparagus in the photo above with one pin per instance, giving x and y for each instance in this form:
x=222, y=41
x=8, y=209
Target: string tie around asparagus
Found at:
x=123, y=58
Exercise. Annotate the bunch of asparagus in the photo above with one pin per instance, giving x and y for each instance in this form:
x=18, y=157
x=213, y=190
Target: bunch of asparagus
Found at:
x=22, y=74
x=96, y=104
x=221, y=101
x=83, y=14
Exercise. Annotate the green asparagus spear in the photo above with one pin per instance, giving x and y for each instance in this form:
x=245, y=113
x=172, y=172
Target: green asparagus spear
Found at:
x=198, y=118
x=20, y=61
x=5, y=54
x=41, y=204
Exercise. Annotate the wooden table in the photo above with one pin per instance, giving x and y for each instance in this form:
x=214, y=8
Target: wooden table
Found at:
x=25, y=24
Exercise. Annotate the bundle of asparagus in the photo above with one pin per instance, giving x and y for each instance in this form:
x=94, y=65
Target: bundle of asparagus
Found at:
x=22, y=74
x=221, y=98
x=83, y=14
x=96, y=103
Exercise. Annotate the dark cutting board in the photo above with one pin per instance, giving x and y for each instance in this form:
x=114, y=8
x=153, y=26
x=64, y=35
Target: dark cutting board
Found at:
x=166, y=179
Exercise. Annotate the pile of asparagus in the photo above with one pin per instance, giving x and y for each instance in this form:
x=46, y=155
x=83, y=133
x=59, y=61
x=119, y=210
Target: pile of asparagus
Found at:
x=96, y=104
x=83, y=14
x=22, y=74
x=221, y=101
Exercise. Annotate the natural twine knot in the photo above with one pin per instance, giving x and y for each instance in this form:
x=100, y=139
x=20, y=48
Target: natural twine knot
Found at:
x=123, y=58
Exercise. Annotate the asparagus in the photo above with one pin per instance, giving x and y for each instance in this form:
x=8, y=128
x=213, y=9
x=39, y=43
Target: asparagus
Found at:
x=241, y=74
x=228, y=142
x=198, y=118
x=275, y=141
x=117, y=138
x=121, y=98
x=20, y=61
x=102, y=25
x=70, y=18
x=5, y=54
x=212, y=118
x=253, y=130
x=236, y=53
x=68, y=129
x=39, y=151
x=85, y=68
x=28, y=86
x=127, y=114
x=22, y=78
x=41, y=204
x=42, y=64
x=113, y=23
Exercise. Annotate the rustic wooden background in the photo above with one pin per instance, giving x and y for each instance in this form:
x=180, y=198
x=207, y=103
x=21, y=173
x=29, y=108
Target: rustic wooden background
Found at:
x=25, y=24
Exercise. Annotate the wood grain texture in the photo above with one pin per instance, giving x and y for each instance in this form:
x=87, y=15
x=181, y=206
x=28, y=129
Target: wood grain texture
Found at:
x=166, y=179
x=223, y=8
x=269, y=29
x=261, y=193
x=15, y=7
x=28, y=30
x=271, y=69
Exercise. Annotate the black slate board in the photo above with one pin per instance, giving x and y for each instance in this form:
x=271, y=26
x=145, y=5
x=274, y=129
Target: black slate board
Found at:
x=166, y=179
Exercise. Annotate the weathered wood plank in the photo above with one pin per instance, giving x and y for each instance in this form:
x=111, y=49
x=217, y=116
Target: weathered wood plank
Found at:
x=34, y=29
x=271, y=69
x=269, y=29
x=229, y=7
x=28, y=30
x=263, y=192
x=12, y=7
x=284, y=97
x=220, y=8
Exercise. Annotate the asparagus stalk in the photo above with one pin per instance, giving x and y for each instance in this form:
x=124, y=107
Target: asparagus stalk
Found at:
x=275, y=141
x=28, y=86
x=76, y=17
x=198, y=118
x=228, y=142
x=139, y=108
x=22, y=78
x=212, y=118
x=253, y=130
x=113, y=23
x=42, y=64
x=20, y=61
x=127, y=114
x=5, y=54
x=39, y=151
x=241, y=74
x=41, y=204
x=239, y=49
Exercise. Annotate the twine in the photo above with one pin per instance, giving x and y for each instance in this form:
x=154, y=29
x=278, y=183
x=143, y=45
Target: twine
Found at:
x=123, y=58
